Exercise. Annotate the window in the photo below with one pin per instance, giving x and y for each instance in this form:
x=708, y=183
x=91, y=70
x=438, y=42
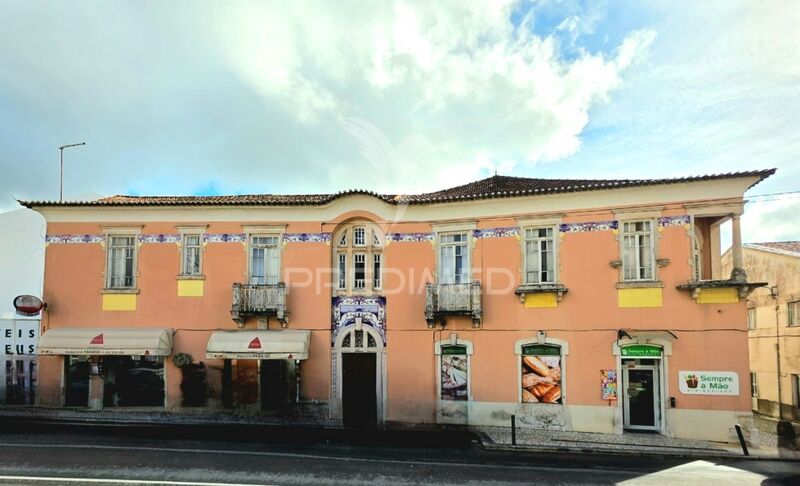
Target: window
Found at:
x=342, y=271
x=751, y=318
x=376, y=271
x=264, y=260
x=454, y=371
x=357, y=261
x=540, y=373
x=539, y=256
x=359, y=271
x=191, y=255
x=793, y=317
x=359, y=237
x=796, y=391
x=638, y=256
x=121, y=262
x=753, y=385
x=453, y=259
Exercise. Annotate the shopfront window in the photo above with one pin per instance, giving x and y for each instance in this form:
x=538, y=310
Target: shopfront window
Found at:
x=541, y=373
x=454, y=373
x=76, y=381
x=133, y=381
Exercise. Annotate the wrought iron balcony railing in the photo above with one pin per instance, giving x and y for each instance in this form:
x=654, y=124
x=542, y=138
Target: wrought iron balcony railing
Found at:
x=443, y=300
x=259, y=300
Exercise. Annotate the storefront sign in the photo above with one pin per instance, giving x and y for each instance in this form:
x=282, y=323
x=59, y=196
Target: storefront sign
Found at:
x=541, y=350
x=19, y=337
x=454, y=350
x=641, y=351
x=708, y=382
x=608, y=384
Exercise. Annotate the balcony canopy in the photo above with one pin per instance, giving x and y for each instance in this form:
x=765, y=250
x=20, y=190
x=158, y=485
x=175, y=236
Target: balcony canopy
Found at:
x=284, y=344
x=106, y=341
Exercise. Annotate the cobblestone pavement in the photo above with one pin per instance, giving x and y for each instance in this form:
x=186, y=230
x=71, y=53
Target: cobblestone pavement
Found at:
x=628, y=442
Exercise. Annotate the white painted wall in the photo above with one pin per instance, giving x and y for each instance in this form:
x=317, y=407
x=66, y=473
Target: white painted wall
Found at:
x=21, y=257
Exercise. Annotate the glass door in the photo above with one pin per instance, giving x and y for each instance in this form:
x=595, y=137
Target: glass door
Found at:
x=641, y=392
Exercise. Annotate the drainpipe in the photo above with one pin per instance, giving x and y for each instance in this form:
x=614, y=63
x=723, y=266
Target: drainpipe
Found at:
x=774, y=294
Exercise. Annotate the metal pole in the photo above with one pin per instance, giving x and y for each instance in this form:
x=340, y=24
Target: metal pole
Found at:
x=61, y=173
x=741, y=440
x=513, y=430
x=61, y=177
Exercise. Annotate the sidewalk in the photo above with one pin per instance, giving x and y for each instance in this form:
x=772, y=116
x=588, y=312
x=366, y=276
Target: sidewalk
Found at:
x=499, y=438
x=229, y=426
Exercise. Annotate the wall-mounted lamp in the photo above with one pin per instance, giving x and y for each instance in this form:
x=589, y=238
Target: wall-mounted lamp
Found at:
x=773, y=291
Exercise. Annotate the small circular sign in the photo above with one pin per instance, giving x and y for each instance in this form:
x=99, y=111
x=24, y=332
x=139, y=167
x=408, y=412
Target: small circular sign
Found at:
x=28, y=305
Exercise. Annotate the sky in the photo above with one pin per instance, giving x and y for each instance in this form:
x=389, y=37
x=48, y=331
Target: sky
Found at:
x=239, y=97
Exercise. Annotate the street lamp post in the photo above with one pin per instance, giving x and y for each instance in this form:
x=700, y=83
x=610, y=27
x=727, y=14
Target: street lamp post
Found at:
x=61, y=177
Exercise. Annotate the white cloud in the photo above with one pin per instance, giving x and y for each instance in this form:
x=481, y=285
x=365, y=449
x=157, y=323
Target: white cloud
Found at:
x=470, y=84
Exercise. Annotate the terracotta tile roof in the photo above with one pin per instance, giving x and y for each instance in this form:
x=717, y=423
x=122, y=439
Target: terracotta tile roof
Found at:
x=785, y=247
x=491, y=187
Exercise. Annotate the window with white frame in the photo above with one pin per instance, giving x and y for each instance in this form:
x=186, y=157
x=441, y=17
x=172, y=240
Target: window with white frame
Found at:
x=376, y=271
x=454, y=258
x=753, y=385
x=540, y=256
x=357, y=261
x=191, y=255
x=359, y=271
x=793, y=313
x=638, y=253
x=121, y=262
x=341, y=271
x=264, y=260
x=751, y=318
x=359, y=236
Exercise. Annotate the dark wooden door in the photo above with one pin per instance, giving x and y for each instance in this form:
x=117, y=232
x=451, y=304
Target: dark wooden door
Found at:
x=359, y=395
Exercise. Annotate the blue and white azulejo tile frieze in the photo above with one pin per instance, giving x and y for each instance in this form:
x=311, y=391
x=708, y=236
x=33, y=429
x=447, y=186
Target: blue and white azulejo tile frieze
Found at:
x=410, y=236
x=160, y=238
x=73, y=239
x=588, y=226
x=307, y=237
x=674, y=221
x=224, y=238
x=505, y=231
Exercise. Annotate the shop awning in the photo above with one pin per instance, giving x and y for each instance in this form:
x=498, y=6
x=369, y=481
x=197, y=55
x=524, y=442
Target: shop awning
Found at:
x=284, y=344
x=120, y=342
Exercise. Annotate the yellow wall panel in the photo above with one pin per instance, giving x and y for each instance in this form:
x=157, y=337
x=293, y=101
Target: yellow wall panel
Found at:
x=119, y=302
x=718, y=296
x=646, y=297
x=546, y=299
x=190, y=288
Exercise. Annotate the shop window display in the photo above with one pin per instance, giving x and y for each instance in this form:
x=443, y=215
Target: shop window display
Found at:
x=541, y=374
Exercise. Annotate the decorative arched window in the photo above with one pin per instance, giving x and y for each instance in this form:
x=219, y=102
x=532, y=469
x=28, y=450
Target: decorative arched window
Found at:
x=358, y=258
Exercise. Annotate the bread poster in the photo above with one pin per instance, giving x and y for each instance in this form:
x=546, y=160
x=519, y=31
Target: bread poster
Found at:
x=454, y=377
x=541, y=379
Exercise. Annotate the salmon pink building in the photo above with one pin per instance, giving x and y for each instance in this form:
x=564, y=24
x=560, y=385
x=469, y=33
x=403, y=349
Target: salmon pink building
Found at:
x=585, y=305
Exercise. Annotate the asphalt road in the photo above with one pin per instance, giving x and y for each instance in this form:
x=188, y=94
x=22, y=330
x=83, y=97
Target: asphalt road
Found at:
x=121, y=455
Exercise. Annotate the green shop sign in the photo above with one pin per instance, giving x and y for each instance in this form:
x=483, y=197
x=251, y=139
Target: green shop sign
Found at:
x=541, y=350
x=457, y=350
x=641, y=351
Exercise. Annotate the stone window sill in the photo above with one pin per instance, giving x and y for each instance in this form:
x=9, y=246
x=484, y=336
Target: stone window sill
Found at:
x=191, y=277
x=119, y=291
x=644, y=284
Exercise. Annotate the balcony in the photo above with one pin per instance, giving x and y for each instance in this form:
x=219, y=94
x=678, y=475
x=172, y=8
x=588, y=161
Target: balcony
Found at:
x=259, y=300
x=453, y=300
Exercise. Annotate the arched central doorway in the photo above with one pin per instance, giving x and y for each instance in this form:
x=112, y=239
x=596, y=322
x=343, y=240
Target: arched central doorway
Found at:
x=359, y=363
